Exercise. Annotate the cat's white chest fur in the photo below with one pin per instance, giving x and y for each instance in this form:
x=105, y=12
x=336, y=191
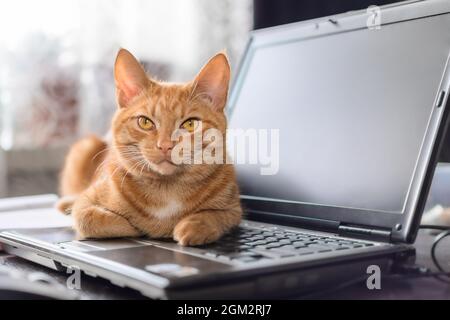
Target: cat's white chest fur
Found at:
x=172, y=208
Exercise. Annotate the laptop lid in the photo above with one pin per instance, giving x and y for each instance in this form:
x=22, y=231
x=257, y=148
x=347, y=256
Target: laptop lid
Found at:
x=342, y=119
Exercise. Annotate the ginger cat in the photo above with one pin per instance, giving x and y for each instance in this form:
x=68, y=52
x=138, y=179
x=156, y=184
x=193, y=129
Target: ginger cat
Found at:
x=131, y=187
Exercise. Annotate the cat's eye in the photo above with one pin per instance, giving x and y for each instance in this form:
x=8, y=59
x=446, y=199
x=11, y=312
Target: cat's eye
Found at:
x=190, y=124
x=145, y=123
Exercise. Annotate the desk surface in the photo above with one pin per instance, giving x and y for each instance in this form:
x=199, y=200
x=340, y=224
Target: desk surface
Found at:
x=418, y=288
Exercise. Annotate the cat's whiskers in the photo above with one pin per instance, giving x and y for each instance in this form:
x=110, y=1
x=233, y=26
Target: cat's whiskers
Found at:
x=100, y=152
x=143, y=166
x=104, y=162
x=129, y=171
x=126, y=173
x=118, y=164
x=102, y=165
x=131, y=153
x=120, y=148
x=116, y=169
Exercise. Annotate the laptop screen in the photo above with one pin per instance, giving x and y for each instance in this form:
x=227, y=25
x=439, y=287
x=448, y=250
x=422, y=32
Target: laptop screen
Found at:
x=338, y=120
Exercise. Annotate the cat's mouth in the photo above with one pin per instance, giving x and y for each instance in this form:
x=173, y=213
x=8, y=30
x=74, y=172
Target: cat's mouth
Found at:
x=162, y=164
x=168, y=161
x=165, y=167
x=164, y=158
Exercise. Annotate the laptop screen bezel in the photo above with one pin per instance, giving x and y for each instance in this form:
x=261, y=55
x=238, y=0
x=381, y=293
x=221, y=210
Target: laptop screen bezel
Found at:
x=403, y=226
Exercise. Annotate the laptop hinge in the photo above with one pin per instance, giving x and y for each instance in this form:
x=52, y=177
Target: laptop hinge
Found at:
x=368, y=233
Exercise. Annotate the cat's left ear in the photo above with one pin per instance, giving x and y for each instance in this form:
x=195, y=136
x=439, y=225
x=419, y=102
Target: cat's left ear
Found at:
x=129, y=76
x=212, y=81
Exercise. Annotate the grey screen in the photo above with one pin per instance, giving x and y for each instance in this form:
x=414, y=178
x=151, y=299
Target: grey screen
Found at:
x=352, y=110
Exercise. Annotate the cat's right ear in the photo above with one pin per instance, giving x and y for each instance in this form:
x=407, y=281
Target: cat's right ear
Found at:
x=129, y=76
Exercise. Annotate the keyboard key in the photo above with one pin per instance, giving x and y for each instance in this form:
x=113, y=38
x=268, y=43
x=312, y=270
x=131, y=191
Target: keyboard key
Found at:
x=273, y=245
x=288, y=247
x=254, y=238
x=303, y=251
x=256, y=243
x=344, y=242
x=250, y=254
x=281, y=253
x=246, y=259
x=342, y=248
x=318, y=247
x=291, y=233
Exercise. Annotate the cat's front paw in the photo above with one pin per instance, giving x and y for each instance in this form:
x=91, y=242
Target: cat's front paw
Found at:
x=194, y=231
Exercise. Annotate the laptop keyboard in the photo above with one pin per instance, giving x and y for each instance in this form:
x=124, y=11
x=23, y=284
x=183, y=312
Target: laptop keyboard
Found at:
x=252, y=245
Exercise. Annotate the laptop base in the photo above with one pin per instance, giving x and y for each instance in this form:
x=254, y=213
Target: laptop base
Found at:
x=162, y=273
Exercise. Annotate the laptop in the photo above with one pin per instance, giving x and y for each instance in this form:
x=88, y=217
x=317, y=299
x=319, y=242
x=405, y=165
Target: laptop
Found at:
x=357, y=102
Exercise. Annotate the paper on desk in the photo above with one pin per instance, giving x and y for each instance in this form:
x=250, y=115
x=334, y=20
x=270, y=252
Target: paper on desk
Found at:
x=28, y=202
x=34, y=218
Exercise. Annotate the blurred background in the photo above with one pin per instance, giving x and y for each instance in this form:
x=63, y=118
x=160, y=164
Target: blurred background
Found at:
x=56, y=59
x=56, y=69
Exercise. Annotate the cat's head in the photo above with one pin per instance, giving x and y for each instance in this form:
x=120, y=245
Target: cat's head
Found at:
x=149, y=112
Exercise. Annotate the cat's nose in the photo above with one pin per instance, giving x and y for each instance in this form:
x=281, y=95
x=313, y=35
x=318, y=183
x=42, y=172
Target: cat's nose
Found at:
x=165, y=145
